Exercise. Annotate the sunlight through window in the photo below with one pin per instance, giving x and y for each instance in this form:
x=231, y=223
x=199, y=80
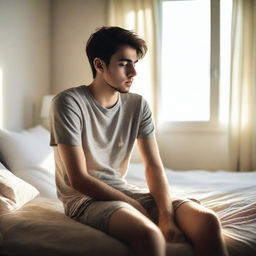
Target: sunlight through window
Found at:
x=142, y=83
x=186, y=60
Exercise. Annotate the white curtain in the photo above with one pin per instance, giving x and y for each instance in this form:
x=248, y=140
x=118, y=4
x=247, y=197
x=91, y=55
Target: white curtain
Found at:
x=242, y=129
x=140, y=16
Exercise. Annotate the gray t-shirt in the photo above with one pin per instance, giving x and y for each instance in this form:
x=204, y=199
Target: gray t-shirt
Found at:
x=107, y=137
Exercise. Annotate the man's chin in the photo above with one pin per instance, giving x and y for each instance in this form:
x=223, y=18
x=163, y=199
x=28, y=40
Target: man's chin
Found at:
x=124, y=90
x=121, y=90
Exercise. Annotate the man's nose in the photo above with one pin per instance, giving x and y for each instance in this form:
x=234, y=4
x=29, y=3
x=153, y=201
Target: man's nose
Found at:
x=132, y=71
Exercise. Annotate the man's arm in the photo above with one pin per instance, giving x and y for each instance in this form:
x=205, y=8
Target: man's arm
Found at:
x=159, y=188
x=75, y=164
x=155, y=175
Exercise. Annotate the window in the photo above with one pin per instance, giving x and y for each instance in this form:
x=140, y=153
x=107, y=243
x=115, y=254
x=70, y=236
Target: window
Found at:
x=195, y=63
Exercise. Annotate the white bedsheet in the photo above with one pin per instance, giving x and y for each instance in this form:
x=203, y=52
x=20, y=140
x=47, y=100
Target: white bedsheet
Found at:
x=231, y=195
x=40, y=227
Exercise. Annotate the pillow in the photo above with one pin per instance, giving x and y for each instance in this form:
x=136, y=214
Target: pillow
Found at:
x=43, y=181
x=14, y=192
x=2, y=167
x=27, y=149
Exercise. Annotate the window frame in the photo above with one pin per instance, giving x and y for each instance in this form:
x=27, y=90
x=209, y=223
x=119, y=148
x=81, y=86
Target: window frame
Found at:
x=213, y=125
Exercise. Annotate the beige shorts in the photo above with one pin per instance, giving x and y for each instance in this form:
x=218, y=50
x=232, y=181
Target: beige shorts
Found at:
x=98, y=213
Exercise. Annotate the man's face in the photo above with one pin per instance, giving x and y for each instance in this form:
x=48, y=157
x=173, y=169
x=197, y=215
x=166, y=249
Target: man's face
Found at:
x=121, y=69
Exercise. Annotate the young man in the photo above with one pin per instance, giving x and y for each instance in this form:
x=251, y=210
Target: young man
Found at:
x=93, y=129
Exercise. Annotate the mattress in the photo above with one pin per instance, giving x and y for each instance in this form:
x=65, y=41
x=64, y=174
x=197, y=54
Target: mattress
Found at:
x=40, y=227
x=231, y=195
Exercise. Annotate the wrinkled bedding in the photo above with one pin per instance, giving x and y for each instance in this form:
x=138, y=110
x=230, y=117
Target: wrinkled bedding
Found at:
x=41, y=228
x=231, y=195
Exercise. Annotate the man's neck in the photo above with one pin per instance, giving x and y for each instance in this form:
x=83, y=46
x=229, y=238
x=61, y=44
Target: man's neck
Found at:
x=105, y=95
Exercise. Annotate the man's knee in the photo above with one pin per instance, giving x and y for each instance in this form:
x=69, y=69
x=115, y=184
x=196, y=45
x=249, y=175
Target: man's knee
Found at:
x=210, y=219
x=144, y=230
x=148, y=237
x=133, y=224
x=208, y=239
x=137, y=231
x=150, y=233
x=208, y=225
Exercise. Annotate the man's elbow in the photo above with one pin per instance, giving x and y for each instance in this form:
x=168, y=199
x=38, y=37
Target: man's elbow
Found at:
x=79, y=182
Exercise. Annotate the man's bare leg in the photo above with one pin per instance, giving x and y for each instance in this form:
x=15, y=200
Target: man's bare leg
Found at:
x=138, y=232
x=202, y=227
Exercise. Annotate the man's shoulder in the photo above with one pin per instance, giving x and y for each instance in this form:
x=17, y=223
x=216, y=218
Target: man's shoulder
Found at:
x=134, y=99
x=131, y=98
x=73, y=93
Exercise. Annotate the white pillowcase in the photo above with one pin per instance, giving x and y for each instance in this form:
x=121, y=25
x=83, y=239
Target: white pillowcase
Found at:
x=2, y=167
x=14, y=192
x=27, y=149
x=43, y=181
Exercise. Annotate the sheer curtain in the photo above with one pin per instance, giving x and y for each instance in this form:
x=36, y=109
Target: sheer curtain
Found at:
x=140, y=16
x=242, y=129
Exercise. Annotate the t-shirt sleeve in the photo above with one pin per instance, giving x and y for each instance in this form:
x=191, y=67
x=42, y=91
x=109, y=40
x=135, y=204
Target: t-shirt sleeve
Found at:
x=65, y=121
x=146, y=126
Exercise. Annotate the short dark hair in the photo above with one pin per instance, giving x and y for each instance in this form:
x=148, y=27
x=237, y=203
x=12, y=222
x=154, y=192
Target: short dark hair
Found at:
x=107, y=40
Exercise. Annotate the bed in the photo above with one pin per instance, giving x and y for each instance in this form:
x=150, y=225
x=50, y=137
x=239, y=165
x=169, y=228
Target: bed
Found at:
x=33, y=222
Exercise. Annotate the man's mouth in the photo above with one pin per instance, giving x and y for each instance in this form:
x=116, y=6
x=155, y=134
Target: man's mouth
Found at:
x=129, y=82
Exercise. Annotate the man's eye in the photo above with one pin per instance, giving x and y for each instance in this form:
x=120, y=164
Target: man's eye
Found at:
x=123, y=64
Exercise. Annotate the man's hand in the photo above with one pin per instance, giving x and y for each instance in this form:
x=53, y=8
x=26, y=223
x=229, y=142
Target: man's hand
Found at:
x=170, y=230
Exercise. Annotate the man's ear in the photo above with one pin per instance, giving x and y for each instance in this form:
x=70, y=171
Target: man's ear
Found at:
x=98, y=65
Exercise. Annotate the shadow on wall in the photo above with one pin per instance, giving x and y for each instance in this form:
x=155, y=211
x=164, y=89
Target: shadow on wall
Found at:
x=25, y=113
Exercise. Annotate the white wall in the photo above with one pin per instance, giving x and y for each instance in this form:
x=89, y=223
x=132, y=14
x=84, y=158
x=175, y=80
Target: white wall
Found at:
x=73, y=22
x=191, y=150
x=24, y=60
